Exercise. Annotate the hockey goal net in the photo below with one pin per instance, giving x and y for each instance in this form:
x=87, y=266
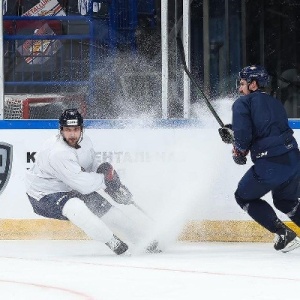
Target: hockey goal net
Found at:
x=41, y=106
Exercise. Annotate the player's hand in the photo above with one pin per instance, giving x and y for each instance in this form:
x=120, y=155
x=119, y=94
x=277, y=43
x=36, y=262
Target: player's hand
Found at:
x=226, y=134
x=111, y=178
x=114, y=188
x=239, y=157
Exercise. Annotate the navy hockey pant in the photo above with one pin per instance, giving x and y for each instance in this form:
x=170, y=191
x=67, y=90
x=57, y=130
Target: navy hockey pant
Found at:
x=50, y=206
x=280, y=175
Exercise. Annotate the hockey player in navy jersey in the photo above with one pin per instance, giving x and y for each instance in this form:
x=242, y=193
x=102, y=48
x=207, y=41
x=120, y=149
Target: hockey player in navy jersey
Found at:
x=260, y=127
x=63, y=184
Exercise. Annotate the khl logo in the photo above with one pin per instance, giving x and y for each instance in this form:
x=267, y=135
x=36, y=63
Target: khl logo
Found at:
x=6, y=157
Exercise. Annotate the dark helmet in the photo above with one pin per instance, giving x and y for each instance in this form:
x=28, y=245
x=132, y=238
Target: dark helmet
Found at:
x=257, y=73
x=70, y=117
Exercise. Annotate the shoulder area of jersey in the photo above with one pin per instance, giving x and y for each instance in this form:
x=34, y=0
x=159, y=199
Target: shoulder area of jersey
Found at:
x=57, y=144
x=85, y=140
x=60, y=150
x=50, y=141
x=241, y=98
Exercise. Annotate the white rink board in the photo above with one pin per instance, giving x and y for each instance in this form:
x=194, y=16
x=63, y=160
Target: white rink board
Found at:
x=189, y=169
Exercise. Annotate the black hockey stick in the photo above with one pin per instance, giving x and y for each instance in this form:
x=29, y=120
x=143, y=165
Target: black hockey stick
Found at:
x=200, y=91
x=141, y=210
x=108, y=197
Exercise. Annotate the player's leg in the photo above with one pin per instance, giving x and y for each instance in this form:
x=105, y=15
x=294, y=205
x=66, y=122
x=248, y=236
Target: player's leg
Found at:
x=79, y=214
x=248, y=196
x=286, y=200
x=132, y=227
x=138, y=233
x=258, y=181
x=285, y=238
x=112, y=216
x=121, y=195
x=64, y=206
x=116, y=219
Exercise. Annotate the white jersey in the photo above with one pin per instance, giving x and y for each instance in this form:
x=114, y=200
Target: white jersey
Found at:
x=61, y=168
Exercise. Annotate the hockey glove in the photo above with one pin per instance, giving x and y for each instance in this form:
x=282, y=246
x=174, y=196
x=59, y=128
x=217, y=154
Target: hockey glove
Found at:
x=239, y=157
x=226, y=134
x=114, y=188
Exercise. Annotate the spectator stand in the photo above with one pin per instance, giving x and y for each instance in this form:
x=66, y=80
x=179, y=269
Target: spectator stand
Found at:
x=120, y=17
x=146, y=10
x=57, y=53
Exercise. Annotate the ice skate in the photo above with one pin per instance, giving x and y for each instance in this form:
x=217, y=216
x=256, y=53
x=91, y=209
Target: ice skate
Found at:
x=117, y=246
x=153, y=247
x=286, y=240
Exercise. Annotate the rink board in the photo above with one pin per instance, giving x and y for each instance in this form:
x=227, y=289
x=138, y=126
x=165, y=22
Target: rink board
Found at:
x=178, y=171
x=193, y=231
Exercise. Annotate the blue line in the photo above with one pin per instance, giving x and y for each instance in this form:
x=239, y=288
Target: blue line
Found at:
x=294, y=124
x=115, y=124
x=28, y=124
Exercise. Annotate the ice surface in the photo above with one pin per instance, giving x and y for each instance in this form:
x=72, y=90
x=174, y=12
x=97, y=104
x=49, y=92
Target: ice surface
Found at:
x=88, y=270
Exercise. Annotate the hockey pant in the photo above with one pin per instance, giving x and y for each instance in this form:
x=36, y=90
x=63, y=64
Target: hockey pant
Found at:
x=280, y=175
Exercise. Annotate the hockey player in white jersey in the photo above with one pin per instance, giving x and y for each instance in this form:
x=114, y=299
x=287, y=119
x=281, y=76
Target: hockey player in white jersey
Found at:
x=63, y=184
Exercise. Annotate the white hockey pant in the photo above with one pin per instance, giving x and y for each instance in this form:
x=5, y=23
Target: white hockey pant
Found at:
x=79, y=214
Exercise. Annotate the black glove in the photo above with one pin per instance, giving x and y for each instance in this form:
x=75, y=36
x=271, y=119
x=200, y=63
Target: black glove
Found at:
x=114, y=188
x=226, y=134
x=111, y=177
x=239, y=157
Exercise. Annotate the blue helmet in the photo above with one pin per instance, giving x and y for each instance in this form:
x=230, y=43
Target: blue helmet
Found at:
x=257, y=73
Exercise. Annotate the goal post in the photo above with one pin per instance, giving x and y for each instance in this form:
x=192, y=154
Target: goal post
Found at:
x=41, y=106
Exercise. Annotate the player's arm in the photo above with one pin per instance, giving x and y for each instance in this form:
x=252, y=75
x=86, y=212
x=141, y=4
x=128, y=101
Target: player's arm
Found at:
x=66, y=168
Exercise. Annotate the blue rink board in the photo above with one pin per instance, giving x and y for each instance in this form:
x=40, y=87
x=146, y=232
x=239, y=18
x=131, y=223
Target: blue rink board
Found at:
x=115, y=124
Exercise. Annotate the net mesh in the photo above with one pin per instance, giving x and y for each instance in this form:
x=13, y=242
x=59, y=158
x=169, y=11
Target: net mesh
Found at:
x=41, y=106
x=13, y=107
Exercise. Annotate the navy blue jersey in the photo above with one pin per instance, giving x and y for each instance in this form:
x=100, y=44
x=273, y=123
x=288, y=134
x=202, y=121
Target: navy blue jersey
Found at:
x=260, y=124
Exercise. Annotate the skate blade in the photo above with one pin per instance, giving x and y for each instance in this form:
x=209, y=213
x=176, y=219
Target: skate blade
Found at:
x=295, y=243
x=126, y=253
x=154, y=251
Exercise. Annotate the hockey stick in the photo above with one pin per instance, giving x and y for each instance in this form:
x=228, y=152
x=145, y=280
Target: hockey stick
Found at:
x=107, y=197
x=141, y=210
x=201, y=93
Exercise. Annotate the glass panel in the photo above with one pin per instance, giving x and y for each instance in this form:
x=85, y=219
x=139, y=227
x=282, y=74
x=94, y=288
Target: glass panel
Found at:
x=106, y=54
